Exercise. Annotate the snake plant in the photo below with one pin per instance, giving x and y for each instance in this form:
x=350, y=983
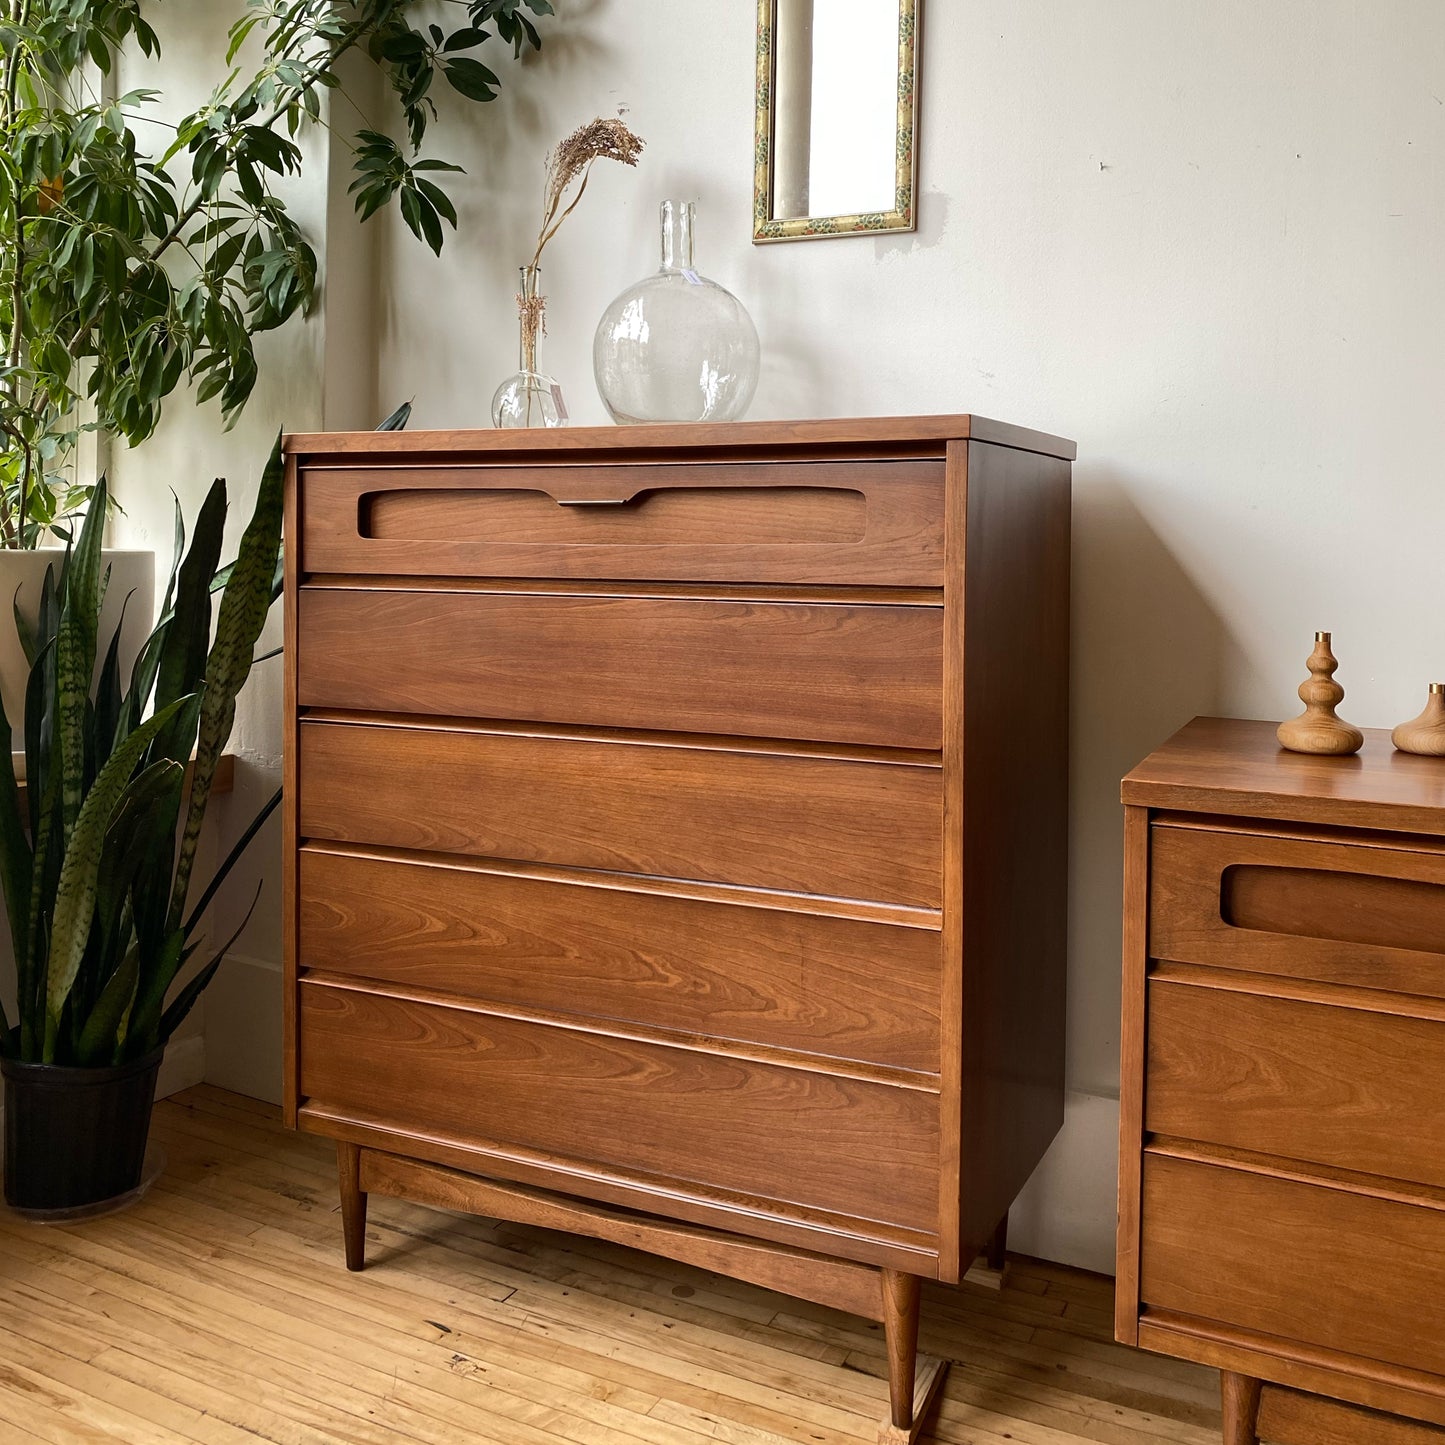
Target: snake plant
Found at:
x=97, y=886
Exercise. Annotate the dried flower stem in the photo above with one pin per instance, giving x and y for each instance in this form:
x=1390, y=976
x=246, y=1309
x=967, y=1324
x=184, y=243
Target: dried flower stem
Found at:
x=571, y=161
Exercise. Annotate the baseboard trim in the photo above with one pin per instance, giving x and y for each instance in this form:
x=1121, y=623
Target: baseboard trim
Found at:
x=183, y=1066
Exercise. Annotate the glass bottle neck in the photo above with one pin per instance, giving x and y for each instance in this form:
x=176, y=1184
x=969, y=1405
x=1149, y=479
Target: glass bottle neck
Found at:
x=677, y=219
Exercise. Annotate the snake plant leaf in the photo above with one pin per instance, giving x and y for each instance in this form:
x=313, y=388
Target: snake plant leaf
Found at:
x=43, y=878
x=244, y=605
x=156, y=978
x=108, y=698
x=398, y=419
x=16, y=862
x=183, y=654
x=75, y=892
x=28, y=635
x=156, y=845
x=152, y=798
x=75, y=656
x=240, y=846
x=102, y=1033
x=185, y=1000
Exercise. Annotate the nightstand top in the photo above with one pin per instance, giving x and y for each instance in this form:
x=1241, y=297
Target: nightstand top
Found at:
x=1236, y=766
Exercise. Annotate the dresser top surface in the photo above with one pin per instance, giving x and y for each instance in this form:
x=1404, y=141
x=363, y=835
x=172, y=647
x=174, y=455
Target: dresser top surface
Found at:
x=823, y=432
x=1236, y=766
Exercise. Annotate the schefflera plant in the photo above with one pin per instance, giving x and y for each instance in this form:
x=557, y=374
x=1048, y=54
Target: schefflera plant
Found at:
x=96, y=882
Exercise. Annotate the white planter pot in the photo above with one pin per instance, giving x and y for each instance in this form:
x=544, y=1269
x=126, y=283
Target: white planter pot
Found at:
x=22, y=574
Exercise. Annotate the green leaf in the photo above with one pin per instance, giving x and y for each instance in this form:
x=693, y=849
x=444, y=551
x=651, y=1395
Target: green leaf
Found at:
x=75, y=894
x=188, y=637
x=242, y=615
x=185, y=1000
x=470, y=78
x=240, y=846
x=103, y=1034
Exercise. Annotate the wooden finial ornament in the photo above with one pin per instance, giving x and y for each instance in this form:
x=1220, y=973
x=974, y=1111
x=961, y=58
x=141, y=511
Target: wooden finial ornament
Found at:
x=1426, y=733
x=1317, y=729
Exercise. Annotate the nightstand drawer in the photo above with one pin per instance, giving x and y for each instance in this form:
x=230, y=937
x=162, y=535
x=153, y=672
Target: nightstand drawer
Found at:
x=1351, y=1088
x=673, y=1114
x=593, y=945
x=1328, y=1267
x=760, y=818
x=1321, y=908
x=870, y=675
x=849, y=523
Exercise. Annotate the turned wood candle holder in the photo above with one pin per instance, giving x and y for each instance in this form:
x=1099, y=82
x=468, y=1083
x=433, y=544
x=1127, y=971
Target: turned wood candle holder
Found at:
x=1317, y=729
x=1426, y=733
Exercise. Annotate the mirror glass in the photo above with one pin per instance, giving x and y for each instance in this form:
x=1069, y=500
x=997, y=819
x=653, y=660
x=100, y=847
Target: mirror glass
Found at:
x=836, y=107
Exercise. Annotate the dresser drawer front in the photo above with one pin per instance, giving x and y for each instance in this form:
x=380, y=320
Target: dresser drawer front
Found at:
x=588, y=1098
x=843, y=987
x=1344, y=1087
x=832, y=673
x=1337, y=912
x=800, y=823
x=863, y=523
x=1323, y=1266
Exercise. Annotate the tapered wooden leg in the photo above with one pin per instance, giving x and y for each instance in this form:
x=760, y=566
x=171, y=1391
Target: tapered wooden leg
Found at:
x=353, y=1203
x=1241, y=1408
x=913, y=1380
x=900, y=1327
x=996, y=1254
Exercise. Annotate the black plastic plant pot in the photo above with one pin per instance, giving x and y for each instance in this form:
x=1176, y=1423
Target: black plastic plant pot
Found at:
x=75, y=1137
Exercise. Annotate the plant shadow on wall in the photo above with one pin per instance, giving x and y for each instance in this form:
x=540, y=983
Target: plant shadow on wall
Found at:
x=97, y=891
x=124, y=272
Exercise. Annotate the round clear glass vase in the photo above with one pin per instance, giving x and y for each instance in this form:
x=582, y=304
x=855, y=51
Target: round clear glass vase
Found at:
x=529, y=397
x=676, y=346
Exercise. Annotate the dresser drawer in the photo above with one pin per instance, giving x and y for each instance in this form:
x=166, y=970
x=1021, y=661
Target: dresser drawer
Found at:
x=765, y=819
x=1321, y=908
x=834, y=673
x=1305, y=1262
x=1345, y=1087
x=701, y=1118
x=856, y=523
x=838, y=986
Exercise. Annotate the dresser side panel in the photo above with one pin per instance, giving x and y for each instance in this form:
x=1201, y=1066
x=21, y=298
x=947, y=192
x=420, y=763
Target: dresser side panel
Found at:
x=1015, y=824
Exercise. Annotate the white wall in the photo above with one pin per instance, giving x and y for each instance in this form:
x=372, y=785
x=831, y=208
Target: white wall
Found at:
x=1203, y=240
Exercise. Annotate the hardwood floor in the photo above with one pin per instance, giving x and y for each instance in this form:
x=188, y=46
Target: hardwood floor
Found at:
x=218, y=1310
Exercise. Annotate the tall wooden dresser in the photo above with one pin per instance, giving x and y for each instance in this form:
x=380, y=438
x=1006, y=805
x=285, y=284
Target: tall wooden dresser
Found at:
x=675, y=830
x=1282, y=1154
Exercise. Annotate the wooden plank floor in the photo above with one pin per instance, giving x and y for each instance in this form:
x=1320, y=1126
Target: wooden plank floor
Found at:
x=218, y=1310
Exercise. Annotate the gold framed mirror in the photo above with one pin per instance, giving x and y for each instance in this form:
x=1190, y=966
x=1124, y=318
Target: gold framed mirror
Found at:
x=837, y=106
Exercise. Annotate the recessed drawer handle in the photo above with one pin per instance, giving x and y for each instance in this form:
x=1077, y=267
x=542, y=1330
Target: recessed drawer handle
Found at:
x=591, y=501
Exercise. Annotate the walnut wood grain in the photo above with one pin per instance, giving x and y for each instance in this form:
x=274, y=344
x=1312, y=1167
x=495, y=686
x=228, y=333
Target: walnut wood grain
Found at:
x=736, y=1123
x=1291, y=1417
x=597, y=947
x=806, y=1275
x=1309, y=1081
x=866, y=675
x=290, y=783
x=1229, y=766
x=353, y=1203
x=1240, y=1400
x=1372, y=1383
x=768, y=820
x=841, y=1235
x=873, y=523
x=1015, y=780
x=846, y=434
x=1294, y=1260
x=1131, y=1079
x=1328, y=909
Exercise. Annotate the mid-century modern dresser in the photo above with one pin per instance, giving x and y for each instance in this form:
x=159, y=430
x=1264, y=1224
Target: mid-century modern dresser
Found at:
x=1282, y=1155
x=675, y=827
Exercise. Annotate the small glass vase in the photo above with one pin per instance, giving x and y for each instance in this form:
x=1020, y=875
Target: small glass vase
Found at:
x=676, y=346
x=529, y=397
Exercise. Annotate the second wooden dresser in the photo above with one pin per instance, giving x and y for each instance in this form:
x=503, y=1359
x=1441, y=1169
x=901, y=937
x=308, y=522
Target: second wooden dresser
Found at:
x=676, y=835
x=1282, y=1156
